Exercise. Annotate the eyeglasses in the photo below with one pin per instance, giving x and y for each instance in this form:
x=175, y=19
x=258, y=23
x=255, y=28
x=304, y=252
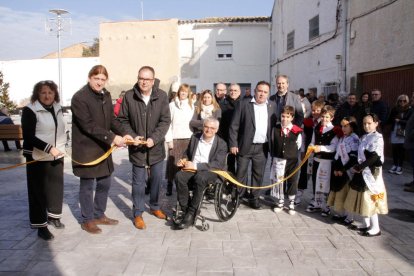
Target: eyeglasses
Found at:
x=144, y=80
x=375, y=94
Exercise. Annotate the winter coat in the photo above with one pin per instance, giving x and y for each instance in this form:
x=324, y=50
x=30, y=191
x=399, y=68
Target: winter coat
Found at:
x=150, y=121
x=92, y=122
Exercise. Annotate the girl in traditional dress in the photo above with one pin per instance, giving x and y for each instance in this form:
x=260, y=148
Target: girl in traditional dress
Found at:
x=345, y=158
x=367, y=196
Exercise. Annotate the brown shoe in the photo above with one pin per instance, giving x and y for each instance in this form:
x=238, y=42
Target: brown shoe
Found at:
x=106, y=221
x=139, y=222
x=91, y=227
x=159, y=214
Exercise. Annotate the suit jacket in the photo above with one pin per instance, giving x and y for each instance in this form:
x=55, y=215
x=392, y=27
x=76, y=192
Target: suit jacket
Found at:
x=293, y=100
x=243, y=125
x=217, y=157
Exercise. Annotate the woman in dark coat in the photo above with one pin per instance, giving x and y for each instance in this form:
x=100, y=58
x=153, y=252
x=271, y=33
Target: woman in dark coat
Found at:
x=398, y=118
x=92, y=122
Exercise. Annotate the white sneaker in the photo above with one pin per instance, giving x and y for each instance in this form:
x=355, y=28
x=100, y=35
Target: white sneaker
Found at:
x=292, y=209
x=279, y=207
x=398, y=171
x=298, y=197
x=393, y=169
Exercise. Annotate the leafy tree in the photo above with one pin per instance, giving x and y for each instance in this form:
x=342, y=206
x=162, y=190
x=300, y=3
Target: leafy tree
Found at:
x=92, y=51
x=4, y=95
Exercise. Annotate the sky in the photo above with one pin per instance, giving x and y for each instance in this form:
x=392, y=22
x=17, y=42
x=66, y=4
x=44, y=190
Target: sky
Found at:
x=23, y=23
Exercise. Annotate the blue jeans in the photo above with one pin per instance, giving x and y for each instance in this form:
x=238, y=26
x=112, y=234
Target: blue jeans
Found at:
x=139, y=181
x=93, y=207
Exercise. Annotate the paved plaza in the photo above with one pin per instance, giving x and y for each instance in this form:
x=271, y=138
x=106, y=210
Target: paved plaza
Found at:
x=254, y=242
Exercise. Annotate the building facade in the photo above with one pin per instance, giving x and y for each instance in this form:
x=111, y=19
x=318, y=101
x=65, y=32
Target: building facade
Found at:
x=345, y=46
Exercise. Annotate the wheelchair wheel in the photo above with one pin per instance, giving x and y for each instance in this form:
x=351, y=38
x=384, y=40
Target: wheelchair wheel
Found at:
x=226, y=200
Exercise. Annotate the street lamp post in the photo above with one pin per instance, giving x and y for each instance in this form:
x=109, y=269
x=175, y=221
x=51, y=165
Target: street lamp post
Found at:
x=59, y=28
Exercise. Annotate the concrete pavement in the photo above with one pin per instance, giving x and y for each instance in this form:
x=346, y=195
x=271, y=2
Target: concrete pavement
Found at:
x=254, y=242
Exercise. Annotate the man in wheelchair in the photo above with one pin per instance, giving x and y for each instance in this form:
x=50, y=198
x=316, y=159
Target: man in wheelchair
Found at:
x=206, y=151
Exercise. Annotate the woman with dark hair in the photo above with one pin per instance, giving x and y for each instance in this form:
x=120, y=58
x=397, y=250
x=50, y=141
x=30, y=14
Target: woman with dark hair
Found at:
x=92, y=121
x=44, y=141
x=398, y=118
x=365, y=108
x=207, y=106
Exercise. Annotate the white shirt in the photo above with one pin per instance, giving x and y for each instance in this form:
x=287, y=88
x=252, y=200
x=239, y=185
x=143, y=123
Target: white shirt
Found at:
x=146, y=98
x=260, y=118
x=203, y=151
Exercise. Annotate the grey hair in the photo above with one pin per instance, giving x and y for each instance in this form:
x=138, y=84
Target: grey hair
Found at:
x=211, y=120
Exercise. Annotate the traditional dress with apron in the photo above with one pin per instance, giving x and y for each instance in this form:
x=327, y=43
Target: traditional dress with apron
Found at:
x=345, y=158
x=326, y=137
x=367, y=195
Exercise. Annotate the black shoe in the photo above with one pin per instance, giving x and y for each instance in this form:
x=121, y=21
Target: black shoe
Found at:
x=356, y=228
x=367, y=234
x=410, y=184
x=45, y=234
x=255, y=204
x=187, y=221
x=56, y=223
x=338, y=218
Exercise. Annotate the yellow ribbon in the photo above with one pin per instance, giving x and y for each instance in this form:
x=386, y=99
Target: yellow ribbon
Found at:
x=227, y=176
x=21, y=164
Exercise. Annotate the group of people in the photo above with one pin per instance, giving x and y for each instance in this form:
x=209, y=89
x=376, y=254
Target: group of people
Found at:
x=221, y=129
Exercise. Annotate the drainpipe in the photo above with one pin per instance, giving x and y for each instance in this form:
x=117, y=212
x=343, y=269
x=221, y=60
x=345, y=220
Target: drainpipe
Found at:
x=344, y=68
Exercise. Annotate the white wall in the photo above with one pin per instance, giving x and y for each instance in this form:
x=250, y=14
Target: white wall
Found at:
x=251, y=54
x=316, y=66
x=22, y=75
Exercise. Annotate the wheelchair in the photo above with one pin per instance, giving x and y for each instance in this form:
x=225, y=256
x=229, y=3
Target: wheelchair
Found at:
x=222, y=193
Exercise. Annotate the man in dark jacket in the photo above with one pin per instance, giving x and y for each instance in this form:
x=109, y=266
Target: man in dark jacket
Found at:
x=379, y=107
x=92, y=122
x=206, y=151
x=348, y=108
x=227, y=109
x=284, y=97
x=248, y=138
x=145, y=116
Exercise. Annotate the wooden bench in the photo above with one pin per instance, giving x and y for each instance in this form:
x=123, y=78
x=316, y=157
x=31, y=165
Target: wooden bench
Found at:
x=11, y=132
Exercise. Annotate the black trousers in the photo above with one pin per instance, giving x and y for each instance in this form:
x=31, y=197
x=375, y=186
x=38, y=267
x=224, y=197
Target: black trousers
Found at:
x=398, y=154
x=291, y=185
x=93, y=207
x=45, y=191
x=258, y=156
x=303, y=178
x=6, y=145
x=199, y=180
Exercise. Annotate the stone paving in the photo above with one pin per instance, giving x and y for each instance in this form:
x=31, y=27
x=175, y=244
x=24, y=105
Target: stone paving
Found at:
x=254, y=242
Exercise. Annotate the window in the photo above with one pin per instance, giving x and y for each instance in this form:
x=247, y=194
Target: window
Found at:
x=224, y=49
x=187, y=48
x=290, y=41
x=314, y=27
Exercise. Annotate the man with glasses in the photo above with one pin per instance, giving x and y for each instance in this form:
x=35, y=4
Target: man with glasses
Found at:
x=221, y=92
x=145, y=117
x=379, y=107
x=206, y=151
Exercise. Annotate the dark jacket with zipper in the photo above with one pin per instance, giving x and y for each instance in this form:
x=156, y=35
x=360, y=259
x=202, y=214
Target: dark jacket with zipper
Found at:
x=150, y=121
